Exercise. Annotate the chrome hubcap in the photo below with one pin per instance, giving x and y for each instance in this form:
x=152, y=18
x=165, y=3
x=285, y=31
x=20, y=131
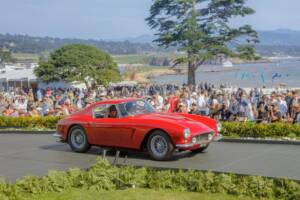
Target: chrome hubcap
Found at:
x=158, y=145
x=78, y=138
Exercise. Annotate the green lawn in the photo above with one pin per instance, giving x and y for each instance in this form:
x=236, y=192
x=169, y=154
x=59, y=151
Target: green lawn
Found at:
x=26, y=56
x=131, y=194
x=131, y=59
x=141, y=58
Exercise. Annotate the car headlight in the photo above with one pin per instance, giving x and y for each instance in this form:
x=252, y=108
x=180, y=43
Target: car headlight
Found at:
x=186, y=133
x=210, y=137
x=219, y=127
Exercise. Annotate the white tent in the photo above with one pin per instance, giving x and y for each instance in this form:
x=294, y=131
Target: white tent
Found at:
x=26, y=77
x=20, y=78
x=18, y=74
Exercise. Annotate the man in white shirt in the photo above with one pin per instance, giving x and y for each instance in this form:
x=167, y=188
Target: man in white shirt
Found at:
x=159, y=101
x=283, y=108
x=202, y=102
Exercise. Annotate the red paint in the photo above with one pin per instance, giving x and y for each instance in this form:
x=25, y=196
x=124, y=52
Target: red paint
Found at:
x=129, y=132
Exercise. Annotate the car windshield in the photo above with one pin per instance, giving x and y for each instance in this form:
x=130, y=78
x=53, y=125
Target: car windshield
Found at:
x=136, y=107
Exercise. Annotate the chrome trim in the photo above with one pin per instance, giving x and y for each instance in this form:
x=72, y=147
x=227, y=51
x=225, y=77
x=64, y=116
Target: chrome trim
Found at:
x=219, y=127
x=202, y=142
x=190, y=145
x=59, y=137
x=218, y=138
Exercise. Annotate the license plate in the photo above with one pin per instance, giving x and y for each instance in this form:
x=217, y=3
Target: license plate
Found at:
x=203, y=145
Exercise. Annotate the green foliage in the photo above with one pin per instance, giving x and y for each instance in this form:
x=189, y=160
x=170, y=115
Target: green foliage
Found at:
x=274, y=130
x=229, y=129
x=80, y=63
x=201, y=28
x=29, y=122
x=39, y=45
x=103, y=176
x=5, y=56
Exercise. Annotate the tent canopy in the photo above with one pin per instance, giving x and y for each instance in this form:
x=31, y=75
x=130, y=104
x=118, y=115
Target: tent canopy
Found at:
x=18, y=75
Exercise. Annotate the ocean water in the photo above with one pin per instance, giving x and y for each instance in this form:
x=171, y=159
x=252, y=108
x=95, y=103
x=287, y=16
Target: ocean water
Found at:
x=280, y=72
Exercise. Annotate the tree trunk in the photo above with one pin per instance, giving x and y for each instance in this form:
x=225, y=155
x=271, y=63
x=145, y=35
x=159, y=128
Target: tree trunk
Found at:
x=191, y=74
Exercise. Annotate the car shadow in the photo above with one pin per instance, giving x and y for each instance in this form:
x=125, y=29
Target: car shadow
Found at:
x=123, y=154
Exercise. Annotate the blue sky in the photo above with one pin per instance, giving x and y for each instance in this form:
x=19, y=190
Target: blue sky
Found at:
x=111, y=19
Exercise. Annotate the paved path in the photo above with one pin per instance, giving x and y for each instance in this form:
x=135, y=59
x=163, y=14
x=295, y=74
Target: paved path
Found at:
x=36, y=154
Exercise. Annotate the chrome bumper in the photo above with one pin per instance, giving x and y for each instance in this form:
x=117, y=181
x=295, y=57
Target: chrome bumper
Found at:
x=202, y=144
x=59, y=137
x=190, y=145
x=217, y=139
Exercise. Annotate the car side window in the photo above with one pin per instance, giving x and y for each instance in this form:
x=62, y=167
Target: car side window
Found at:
x=100, y=111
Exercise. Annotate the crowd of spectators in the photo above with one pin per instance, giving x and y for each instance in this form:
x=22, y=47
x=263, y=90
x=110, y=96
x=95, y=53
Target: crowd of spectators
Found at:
x=203, y=99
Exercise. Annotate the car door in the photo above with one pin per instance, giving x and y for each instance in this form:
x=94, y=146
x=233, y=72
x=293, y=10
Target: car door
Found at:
x=111, y=132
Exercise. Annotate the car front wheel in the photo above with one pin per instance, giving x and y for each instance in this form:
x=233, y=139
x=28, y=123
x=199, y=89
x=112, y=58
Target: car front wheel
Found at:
x=160, y=146
x=78, y=140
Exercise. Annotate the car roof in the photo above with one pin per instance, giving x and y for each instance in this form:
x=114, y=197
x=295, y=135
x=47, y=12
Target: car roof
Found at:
x=117, y=101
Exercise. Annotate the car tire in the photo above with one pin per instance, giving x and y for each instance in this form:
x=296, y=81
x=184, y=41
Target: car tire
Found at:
x=200, y=150
x=159, y=146
x=78, y=140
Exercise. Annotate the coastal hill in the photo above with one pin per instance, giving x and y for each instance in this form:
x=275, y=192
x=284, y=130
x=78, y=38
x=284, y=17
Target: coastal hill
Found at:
x=272, y=43
x=277, y=37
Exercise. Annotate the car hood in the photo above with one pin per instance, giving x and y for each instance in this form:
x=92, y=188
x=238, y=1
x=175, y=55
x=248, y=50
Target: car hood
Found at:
x=196, y=127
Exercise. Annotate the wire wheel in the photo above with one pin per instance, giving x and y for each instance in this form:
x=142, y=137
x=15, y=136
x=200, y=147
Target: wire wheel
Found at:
x=160, y=146
x=78, y=140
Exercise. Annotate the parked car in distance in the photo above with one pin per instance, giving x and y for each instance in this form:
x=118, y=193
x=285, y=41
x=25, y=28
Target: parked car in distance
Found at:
x=134, y=124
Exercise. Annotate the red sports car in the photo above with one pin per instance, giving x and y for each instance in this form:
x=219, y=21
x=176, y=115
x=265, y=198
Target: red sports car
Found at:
x=134, y=124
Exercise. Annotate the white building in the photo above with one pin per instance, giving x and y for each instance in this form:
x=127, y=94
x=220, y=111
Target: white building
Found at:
x=18, y=75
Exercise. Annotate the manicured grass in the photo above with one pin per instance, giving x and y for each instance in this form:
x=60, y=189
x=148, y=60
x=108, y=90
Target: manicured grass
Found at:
x=141, y=58
x=144, y=73
x=131, y=59
x=131, y=194
x=26, y=56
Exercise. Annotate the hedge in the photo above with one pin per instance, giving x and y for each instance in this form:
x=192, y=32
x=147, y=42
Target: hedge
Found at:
x=29, y=122
x=230, y=129
x=103, y=176
x=247, y=129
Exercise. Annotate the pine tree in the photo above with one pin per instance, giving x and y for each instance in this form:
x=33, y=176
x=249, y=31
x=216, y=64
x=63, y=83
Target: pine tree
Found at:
x=202, y=29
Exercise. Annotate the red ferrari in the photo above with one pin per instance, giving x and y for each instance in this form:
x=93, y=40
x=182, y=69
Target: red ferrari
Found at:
x=134, y=124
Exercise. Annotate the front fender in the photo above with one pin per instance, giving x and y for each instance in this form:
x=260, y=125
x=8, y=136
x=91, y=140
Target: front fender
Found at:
x=211, y=123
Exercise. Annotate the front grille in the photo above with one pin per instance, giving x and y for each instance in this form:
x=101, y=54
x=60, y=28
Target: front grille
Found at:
x=203, y=137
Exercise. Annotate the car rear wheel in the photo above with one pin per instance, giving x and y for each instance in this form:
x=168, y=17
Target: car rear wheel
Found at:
x=78, y=140
x=159, y=146
x=200, y=150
